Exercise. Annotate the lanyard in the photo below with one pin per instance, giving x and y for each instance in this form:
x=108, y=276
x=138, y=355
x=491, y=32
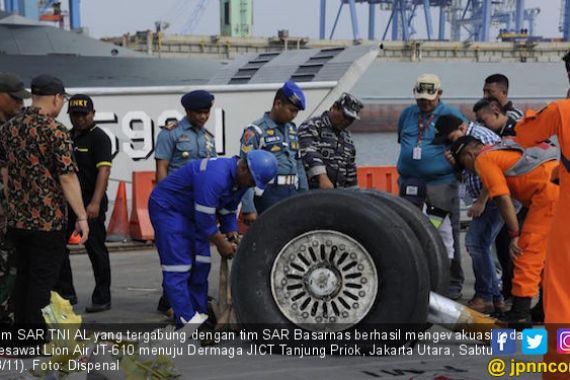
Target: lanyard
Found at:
x=422, y=128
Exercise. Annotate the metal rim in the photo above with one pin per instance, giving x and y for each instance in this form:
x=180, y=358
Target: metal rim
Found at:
x=324, y=280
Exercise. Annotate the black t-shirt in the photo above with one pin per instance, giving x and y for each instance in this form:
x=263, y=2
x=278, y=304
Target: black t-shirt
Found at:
x=509, y=128
x=92, y=149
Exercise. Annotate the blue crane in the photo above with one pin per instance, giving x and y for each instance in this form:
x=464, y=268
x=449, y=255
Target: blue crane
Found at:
x=195, y=16
x=476, y=17
x=565, y=20
x=13, y=6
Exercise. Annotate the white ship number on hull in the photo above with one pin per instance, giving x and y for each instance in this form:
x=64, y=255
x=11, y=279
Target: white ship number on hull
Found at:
x=140, y=133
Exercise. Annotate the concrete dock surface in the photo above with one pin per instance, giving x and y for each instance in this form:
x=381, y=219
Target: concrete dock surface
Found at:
x=136, y=288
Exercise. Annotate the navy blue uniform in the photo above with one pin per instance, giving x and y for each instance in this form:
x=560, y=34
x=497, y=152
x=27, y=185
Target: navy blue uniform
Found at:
x=283, y=142
x=182, y=144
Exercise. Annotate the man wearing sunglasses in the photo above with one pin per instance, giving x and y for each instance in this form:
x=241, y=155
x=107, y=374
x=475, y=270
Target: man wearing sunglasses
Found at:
x=12, y=95
x=420, y=158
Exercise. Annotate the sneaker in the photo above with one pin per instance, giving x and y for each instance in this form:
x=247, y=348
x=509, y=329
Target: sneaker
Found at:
x=481, y=305
x=537, y=313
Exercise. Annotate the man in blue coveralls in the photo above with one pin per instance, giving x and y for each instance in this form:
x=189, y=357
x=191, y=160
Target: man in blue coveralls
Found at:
x=180, y=142
x=184, y=208
x=276, y=133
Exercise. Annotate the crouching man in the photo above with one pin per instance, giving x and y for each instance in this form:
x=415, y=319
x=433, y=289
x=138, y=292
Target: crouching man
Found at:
x=508, y=170
x=184, y=209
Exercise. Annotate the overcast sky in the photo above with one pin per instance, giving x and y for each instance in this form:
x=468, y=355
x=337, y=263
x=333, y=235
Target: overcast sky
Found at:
x=301, y=17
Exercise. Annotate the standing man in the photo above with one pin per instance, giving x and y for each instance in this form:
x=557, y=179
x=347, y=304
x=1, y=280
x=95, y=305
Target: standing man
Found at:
x=497, y=86
x=184, y=209
x=494, y=116
x=178, y=143
x=486, y=222
x=275, y=132
x=92, y=148
x=535, y=127
x=419, y=158
x=508, y=170
x=37, y=152
x=327, y=148
x=12, y=95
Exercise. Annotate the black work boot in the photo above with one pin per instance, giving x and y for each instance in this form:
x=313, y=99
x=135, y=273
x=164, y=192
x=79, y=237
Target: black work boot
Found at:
x=519, y=315
x=537, y=312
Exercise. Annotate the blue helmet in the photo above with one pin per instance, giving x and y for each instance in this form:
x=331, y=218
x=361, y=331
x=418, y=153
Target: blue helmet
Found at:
x=263, y=168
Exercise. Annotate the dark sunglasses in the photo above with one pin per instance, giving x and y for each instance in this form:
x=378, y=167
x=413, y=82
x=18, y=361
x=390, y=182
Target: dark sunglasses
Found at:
x=425, y=88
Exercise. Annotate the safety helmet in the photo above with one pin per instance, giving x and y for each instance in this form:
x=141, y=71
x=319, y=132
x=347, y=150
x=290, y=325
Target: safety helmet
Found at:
x=263, y=168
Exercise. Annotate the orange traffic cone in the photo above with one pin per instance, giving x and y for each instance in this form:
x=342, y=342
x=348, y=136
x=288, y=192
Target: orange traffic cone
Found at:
x=118, y=229
x=74, y=239
x=140, y=227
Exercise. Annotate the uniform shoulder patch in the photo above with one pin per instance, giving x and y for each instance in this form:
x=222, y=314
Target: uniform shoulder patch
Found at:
x=248, y=135
x=171, y=125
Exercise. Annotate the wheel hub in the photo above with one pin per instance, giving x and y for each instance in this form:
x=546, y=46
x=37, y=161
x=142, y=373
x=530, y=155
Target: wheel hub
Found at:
x=324, y=280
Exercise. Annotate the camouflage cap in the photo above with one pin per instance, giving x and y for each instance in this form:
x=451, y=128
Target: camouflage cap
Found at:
x=350, y=105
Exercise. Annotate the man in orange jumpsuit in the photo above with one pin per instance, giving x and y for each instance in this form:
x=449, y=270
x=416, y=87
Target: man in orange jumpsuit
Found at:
x=535, y=127
x=506, y=170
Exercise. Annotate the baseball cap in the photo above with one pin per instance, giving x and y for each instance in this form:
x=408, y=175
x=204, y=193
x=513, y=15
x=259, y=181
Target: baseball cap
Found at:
x=350, y=105
x=427, y=86
x=413, y=190
x=444, y=125
x=294, y=94
x=45, y=85
x=197, y=100
x=12, y=85
x=80, y=103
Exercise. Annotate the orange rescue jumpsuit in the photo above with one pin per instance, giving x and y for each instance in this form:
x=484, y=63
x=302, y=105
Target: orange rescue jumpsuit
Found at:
x=535, y=191
x=535, y=127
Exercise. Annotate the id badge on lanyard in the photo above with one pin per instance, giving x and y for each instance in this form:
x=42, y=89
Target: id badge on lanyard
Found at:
x=417, y=152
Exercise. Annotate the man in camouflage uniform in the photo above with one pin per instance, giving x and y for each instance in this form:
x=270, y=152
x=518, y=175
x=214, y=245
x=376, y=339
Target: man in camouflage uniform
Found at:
x=327, y=148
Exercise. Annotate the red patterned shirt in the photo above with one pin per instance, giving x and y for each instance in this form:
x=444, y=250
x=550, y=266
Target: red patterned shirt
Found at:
x=36, y=149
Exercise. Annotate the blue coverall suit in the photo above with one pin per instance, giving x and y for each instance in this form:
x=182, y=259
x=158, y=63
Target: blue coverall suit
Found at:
x=184, y=208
